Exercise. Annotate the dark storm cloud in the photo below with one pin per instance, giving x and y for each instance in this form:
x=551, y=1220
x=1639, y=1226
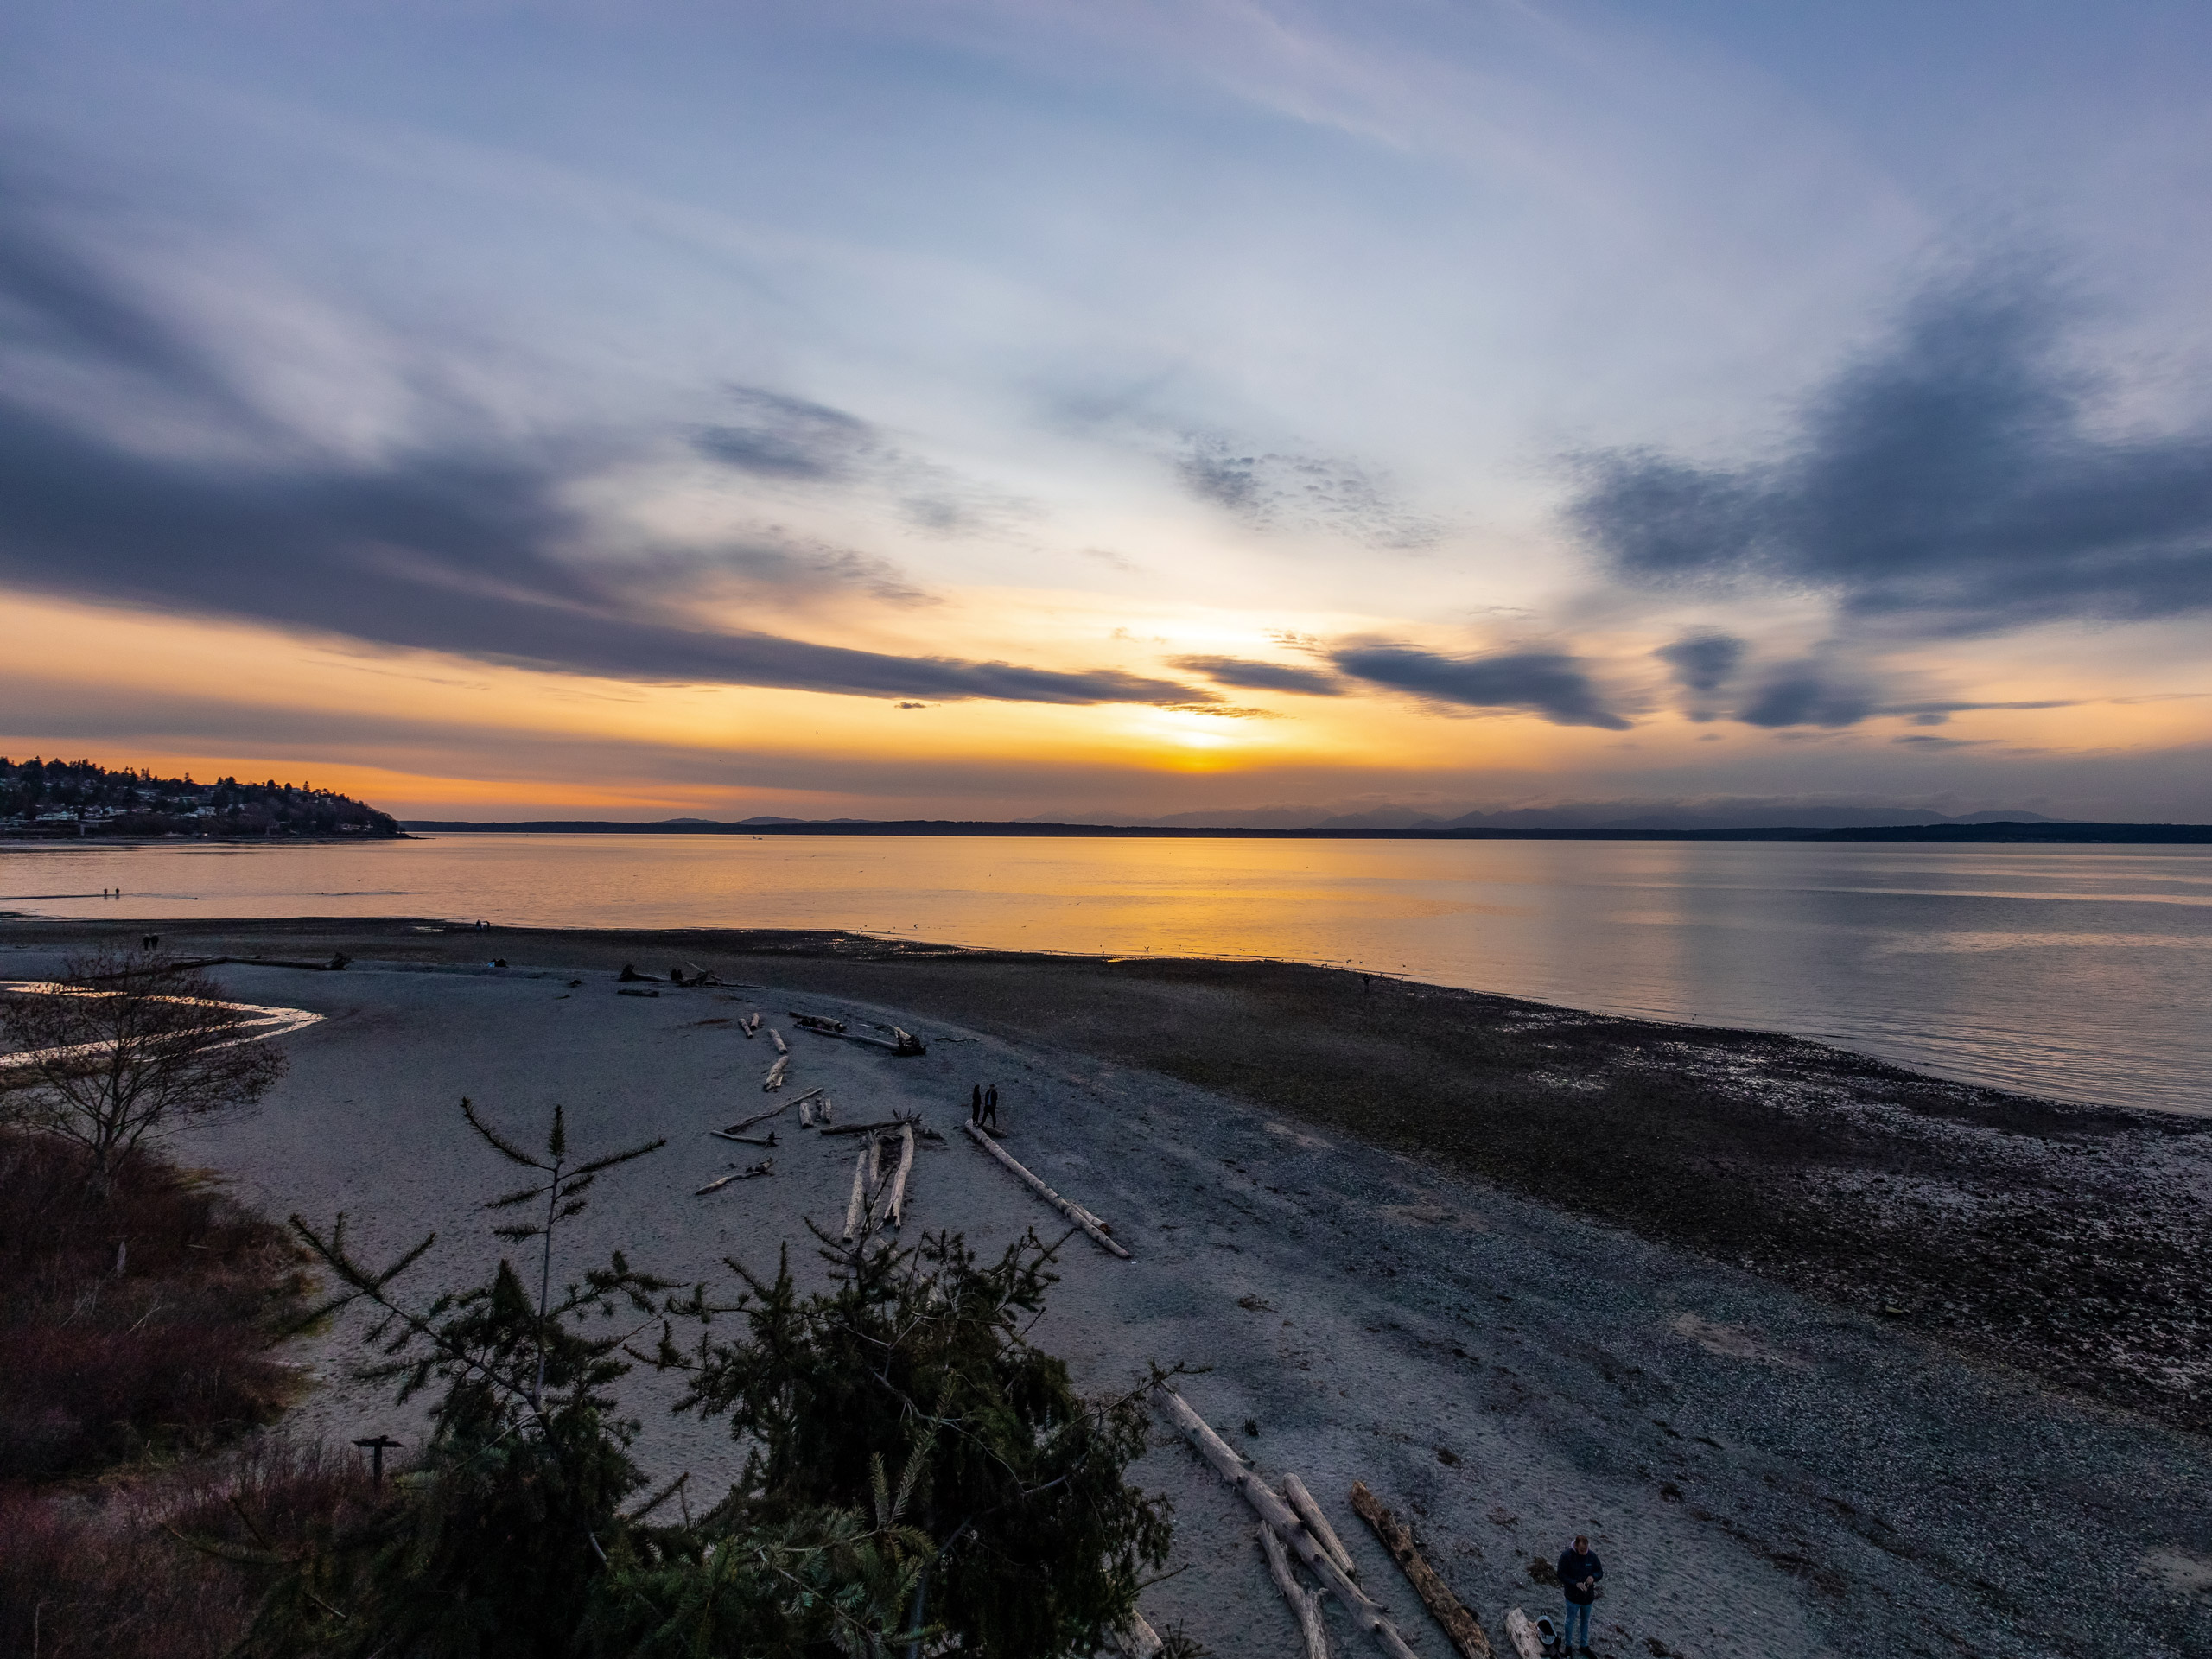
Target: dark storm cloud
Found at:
x=1549, y=683
x=1261, y=677
x=1704, y=661
x=1949, y=484
x=776, y=437
x=472, y=556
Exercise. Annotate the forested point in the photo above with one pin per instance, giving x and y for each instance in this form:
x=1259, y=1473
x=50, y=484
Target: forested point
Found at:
x=80, y=797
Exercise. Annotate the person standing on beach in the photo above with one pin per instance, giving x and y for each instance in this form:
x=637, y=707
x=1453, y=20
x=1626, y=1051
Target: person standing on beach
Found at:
x=1579, y=1571
x=975, y=1105
x=991, y=1107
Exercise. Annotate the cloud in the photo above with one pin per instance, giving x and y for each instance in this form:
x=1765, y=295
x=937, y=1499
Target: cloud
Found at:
x=1704, y=661
x=1952, y=483
x=1807, y=693
x=777, y=436
x=1300, y=493
x=1551, y=683
x=1261, y=677
x=476, y=555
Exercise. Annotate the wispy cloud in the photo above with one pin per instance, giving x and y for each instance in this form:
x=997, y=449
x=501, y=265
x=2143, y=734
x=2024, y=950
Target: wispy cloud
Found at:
x=773, y=436
x=1301, y=492
x=480, y=555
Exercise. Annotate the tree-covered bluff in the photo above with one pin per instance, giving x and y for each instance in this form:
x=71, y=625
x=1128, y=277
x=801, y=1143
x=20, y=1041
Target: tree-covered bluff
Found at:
x=80, y=797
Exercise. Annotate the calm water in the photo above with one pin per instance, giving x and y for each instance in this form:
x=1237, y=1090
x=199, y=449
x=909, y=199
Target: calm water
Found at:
x=2080, y=972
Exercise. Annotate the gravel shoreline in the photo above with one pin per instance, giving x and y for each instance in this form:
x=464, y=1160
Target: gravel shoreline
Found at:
x=1831, y=1358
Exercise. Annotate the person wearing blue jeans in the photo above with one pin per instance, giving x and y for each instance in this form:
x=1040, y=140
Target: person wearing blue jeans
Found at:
x=1579, y=1571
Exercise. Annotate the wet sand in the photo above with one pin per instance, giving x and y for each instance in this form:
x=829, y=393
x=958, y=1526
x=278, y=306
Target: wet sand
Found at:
x=1829, y=1358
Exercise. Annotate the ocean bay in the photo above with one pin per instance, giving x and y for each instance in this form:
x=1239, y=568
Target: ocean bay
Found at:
x=2076, y=972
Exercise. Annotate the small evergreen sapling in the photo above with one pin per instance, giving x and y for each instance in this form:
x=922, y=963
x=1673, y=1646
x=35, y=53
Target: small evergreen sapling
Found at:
x=1008, y=1530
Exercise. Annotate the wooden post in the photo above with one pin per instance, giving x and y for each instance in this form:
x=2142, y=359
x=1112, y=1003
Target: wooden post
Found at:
x=1459, y=1624
x=1277, y=1513
x=1074, y=1212
x=1305, y=1605
x=375, y=1448
x=1294, y=1488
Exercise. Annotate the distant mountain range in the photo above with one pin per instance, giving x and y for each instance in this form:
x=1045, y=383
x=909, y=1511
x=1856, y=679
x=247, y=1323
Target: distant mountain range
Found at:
x=1613, y=815
x=1977, y=827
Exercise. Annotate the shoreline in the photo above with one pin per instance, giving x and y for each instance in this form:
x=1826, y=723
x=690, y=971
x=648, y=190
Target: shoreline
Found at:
x=2070, y=1241
x=1328, y=1191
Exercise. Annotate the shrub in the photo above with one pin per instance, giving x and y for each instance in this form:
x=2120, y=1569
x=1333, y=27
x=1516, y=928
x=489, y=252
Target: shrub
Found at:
x=137, y=1321
x=116, y=1580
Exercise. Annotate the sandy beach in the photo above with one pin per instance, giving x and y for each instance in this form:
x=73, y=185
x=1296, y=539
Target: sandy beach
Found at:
x=1827, y=1359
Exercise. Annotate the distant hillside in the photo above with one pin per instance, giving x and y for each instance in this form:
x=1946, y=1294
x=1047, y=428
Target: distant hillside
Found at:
x=77, y=797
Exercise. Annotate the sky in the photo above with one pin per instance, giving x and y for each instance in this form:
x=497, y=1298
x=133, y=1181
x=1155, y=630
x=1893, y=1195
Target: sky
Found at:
x=1113, y=410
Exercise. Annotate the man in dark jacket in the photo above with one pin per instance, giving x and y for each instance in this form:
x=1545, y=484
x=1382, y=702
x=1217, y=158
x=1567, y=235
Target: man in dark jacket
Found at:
x=1579, y=1571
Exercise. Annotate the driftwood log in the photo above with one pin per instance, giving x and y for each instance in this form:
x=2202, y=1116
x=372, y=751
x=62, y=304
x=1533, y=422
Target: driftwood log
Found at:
x=776, y=1037
x=769, y=1140
x=745, y=1123
x=1293, y=1491
x=805, y=1116
x=774, y=1080
x=1459, y=1624
x=856, y=1210
x=1074, y=1212
x=765, y=1167
x=1305, y=1605
x=821, y=1022
x=1365, y=1610
x=1137, y=1638
x=882, y=1123
x=895, y=1208
x=1523, y=1635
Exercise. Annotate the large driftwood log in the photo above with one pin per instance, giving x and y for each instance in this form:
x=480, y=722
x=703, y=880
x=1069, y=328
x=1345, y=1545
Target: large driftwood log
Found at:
x=1305, y=1605
x=1459, y=1624
x=856, y=1211
x=1294, y=1491
x=1074, y=1212
x=896, y=1208
x=1365, y=1610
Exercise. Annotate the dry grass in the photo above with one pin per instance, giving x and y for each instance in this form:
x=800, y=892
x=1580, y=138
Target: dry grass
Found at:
x=109, y=1575
x=133, y=1324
